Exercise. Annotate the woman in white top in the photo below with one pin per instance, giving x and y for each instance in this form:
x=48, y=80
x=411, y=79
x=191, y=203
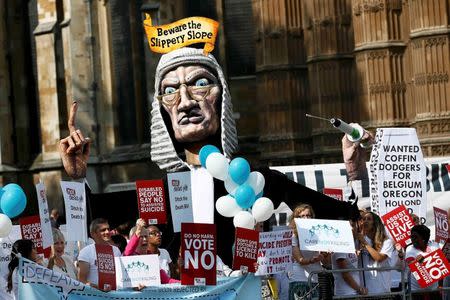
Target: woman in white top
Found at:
x=376, y=252
x=304, y=261
x=58, y=261
x=23, y=248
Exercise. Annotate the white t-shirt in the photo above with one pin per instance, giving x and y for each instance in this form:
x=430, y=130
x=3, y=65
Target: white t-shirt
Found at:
x=70, y=267
x=411, y=254
x=15, y=284
x=164, y=260
x=341, y=288
x=89, y=255
x=301, y=272
x=378, y=281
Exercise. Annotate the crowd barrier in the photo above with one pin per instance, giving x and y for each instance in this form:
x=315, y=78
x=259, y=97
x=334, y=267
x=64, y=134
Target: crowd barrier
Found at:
x=326, y=292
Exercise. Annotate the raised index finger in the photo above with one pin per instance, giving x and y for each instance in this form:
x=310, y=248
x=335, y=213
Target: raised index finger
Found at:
x=72, y=116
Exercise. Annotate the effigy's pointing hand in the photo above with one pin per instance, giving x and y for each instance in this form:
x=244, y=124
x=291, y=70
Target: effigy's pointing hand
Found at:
x=74, y=149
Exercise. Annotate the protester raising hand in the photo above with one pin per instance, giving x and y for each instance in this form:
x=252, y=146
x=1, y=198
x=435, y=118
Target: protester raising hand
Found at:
x=74, y=149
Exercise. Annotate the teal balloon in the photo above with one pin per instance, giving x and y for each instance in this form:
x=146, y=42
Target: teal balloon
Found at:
x=13, y=200
x=245, y=196
x=205, y=151
x=239, y=170
x=259, y=195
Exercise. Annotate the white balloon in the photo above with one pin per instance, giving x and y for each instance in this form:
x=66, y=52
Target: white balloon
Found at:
x=227, y=206
x=262, y=209
x=217, y=165
x=5, y=225
x=230, y=185
x=256, y=181
x=244, y=219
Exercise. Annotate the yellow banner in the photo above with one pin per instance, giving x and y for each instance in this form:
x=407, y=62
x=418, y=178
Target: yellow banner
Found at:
x=165, y=38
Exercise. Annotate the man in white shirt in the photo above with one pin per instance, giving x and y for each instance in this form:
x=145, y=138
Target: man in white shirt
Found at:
x=87, y=259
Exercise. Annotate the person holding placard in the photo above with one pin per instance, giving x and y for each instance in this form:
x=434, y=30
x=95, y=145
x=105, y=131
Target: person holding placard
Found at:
x=377, y=251
x=58, y=261
x=139, y=244
x=304, y=261
x=420, y=247
x=348, y=283
x=21, y=248
x=87, y=259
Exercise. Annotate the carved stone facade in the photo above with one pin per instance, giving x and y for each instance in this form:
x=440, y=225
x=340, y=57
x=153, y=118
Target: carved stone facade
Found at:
x=377, y=62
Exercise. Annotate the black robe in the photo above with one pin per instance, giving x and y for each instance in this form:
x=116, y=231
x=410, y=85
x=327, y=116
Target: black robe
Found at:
x=121, y=207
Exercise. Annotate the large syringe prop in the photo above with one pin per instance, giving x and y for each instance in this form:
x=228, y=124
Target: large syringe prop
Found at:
x=354, y=132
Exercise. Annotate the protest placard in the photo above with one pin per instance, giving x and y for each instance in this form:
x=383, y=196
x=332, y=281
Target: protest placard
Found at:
x=333, y=193
x=325, y=235
x=397, y=172
x=75, y=202
x=446, y=249
x=245, y=249
x=5, y=257
x=30, y=228
x=106, y=267
x=441, y=225
x=46, y=227
x=151, y=201
x=399, y=223
x=165, y=38
x=198, y=250
x=432, y=268
x=191, y=196
x=131, y=271
x=275, y=252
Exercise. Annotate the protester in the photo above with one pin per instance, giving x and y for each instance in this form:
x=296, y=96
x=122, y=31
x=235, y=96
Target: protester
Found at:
x=139, y=245
x=305, y=262
x=377, y=251
x=20, y=248
x=54, y=216
x=421, y=247
x=58, y=261
x=348, y=283
x=87, y=259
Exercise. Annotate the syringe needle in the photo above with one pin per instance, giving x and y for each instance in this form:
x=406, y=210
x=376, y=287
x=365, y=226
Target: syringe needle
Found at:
x=316, y=117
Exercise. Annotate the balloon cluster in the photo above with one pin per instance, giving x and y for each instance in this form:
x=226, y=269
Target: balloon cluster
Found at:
x=244, y=202
x=12, y=204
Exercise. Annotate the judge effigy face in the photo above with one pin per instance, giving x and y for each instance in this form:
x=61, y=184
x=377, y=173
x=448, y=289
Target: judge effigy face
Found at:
x=191, y=96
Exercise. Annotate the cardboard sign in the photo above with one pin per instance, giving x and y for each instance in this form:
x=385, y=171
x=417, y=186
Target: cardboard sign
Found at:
x=137, y=269
x=275, y=252
x=5, y=256
x=46, y=226
x=246, y=249
x=30, y=227
x=325, y=235
x=334, y=193
x=446, y=249
x=397, y=172
x=106, y=267
x=399, y=223
x=191, y=196
x=433, y=267
x=151, y=201
x=441, y=225
x=198, y=249
x=188, y=31
x=75, y=202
